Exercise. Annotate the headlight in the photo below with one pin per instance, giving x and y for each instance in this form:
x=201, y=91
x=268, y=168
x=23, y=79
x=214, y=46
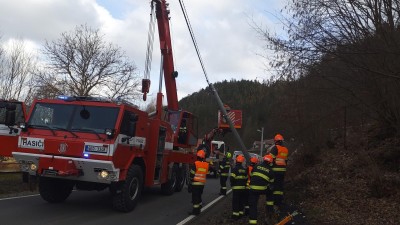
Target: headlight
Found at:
x=103, y=174
x=33, y=167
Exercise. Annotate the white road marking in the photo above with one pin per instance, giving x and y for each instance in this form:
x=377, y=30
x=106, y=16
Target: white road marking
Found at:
x=17, y=197
x=187, y=219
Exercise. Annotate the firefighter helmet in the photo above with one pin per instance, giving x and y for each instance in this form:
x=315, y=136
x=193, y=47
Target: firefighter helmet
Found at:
x=201, y=154
x=228, y=155
x=268, y=158
x=278, y=137
x=254, y=159
x=240, y=159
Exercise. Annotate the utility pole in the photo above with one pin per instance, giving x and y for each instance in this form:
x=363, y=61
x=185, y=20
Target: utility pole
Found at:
x=262, y=140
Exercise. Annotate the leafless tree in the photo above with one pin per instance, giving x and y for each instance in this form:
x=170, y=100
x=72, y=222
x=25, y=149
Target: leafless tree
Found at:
x=353, y=45
x=81, y=63
x=16, y=65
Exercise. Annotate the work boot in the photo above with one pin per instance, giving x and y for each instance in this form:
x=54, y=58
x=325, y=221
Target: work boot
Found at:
x=222, y=192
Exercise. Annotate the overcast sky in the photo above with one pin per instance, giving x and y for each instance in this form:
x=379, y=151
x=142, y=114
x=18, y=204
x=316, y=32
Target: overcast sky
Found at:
x=229, y=46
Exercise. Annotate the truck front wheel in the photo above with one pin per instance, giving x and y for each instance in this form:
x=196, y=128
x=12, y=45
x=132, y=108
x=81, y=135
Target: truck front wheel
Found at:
x=126, y=199
x=181, y=177
x=168, y=188
x=54, y=190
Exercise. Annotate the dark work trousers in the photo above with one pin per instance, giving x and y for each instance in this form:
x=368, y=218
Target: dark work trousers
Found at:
x=197, y=192
x=278, y=188
x=238, y=198
x=246, y=202
x=269, y=201
x=254, y=195
x=222, y=182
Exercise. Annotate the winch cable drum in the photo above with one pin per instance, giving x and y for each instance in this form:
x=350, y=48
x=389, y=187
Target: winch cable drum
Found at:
x=219, y=101
x=149, y=54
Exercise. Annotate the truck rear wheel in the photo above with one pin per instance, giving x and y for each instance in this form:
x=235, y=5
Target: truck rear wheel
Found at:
x=168, y=188
x=54, y=190
x=126, y=199
x=181, y=178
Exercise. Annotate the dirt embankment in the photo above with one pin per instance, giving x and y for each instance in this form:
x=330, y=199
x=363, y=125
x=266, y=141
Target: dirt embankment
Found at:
x=359, y=184
x=356, y=183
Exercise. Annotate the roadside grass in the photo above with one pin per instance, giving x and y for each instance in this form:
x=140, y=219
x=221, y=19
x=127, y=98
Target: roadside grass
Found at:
x=11, y=185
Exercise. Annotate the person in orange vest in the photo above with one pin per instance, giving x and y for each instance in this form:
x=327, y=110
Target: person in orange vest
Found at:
x=253, y=162
x=280, y=154
x=238, y=181
x=198, y=173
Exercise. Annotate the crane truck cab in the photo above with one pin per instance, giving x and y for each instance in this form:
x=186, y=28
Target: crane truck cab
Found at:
x=91, y=143
x=12, y=113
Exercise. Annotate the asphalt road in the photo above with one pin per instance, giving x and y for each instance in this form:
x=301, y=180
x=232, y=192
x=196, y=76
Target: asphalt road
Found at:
x=94, y=208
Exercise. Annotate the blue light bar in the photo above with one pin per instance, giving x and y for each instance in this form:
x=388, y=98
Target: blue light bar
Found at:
x=86, y=155
x=66, y=98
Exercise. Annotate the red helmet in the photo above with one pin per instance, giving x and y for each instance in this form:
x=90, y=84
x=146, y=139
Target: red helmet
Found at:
x=201, y=154
x=268, y=158
x=240, y=158
x=278, y=137
x=254, y=160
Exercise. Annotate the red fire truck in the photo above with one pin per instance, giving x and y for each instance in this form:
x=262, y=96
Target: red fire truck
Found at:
x=93, y=143
x=12, y=113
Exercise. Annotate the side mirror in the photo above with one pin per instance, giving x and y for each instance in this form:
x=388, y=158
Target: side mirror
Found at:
x=109, y=132
x=23, y=126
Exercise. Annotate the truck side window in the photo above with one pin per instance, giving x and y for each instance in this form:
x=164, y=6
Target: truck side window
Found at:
x=128, y=125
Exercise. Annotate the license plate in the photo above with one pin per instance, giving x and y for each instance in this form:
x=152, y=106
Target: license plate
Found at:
x=96, y=148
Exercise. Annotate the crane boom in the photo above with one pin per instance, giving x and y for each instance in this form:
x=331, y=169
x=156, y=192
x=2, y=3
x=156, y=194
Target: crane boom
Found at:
x=162, y=15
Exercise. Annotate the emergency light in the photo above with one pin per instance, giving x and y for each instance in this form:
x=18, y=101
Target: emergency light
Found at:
x=66, y=98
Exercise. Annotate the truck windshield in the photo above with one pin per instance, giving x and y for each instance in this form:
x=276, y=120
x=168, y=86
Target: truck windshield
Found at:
x=19, y=115
x=74, y=117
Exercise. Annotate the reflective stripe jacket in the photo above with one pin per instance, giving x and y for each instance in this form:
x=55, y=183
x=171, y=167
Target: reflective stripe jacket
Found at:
x=261, y=177
x=238, y=177
x=249, y=170
x=224, y=167
x=198, y=173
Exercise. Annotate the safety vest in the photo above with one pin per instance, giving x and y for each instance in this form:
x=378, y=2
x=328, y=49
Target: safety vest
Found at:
x=282, y=155
x=249, y=169
x=201, y=173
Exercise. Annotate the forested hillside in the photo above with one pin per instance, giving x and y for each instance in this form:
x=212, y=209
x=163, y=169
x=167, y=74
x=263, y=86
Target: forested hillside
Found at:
x=342, y=156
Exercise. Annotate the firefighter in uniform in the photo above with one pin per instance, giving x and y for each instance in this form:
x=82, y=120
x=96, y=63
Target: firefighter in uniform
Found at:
x=223, y=171
x=280, y=154
x=238, y=181
x=253, y=162
x=198, y=173
x=261, y=178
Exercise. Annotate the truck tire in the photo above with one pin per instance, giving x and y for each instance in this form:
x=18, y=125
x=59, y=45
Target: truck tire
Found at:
x=54, y=190
x=126, y=199
x=181, y=178
x=168, y=188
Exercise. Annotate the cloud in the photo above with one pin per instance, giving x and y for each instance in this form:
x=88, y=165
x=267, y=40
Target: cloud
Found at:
x=228, y=44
